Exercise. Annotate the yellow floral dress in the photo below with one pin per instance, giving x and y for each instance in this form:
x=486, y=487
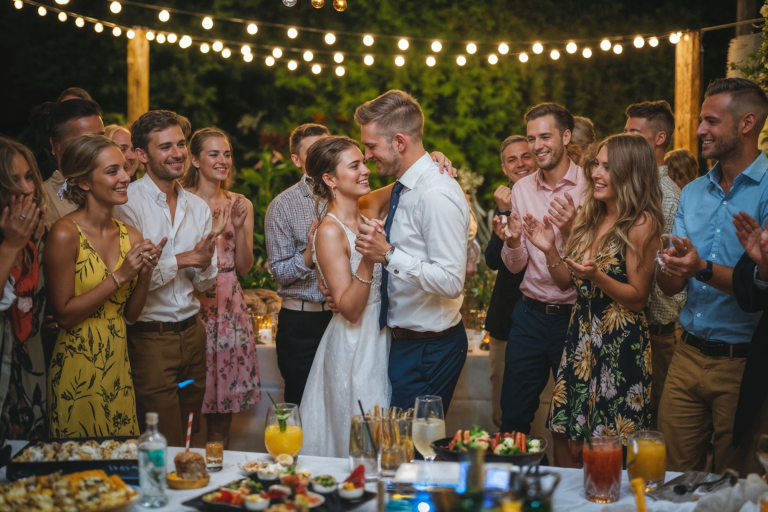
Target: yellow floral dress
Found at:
x=604, y=380
x=90, y=388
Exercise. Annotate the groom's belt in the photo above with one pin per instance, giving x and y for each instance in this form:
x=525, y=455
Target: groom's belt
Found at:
x=549, y=309
x=402, y=334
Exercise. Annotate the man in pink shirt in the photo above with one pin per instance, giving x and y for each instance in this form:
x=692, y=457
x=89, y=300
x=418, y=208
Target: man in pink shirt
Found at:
x=540, y=320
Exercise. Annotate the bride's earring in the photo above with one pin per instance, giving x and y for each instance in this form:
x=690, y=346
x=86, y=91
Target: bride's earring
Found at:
x=333, y=189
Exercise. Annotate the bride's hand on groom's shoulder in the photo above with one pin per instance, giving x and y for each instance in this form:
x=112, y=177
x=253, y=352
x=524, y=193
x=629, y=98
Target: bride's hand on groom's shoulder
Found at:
x=371, y=241
x=444, y=165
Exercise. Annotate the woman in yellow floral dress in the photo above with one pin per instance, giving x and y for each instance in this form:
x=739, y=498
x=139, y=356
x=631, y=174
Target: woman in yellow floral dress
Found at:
x=99, y=273
x=604, y=380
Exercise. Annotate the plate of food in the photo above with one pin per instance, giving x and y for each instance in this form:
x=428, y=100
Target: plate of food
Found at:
x=190, y=472
x=508, y=447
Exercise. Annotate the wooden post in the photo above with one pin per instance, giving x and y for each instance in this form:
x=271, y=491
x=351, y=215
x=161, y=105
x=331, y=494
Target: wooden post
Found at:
x=138, y=75
x=687, y=91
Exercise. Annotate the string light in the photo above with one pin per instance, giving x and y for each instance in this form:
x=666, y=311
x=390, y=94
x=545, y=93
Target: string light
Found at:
x=471, y=48
x=226, y=53
x=653, y=42
x=431, y=61
x=115, y=7
x=341, y=6
x=338, y=58
x=116, y=31
x=42, y=11
x=523, y=57
x=80, y=22
x=316, y=69
x=277, y=53
x=674, y=38
x=164, y=16
x=252, y=28
x=461, y=60
x=330, y=38
x=149, y=35
x=368, y=40
x=62, y=2
x=292, y=65
x=403, y=44
x=554, y=54
x=639, y=42
x=171, y=38
x=217, y=46
x=503, y=49
x=493, y=59
x=571, y=47
x=587, y=53
x=207, y=23
x=617, y=49
x=99, y=28
x=308, y=56
x=130, y=34
x=205, y=48
x=318, y=4
x=18, y=4
x=538, y=48
x=340, y=70
x=293, y=33
x=437, y=46
x=248, y=57
x=62, y=16
x=605, y=45
x=399, y=60
x=269, y=61
x=160, y=38
x=368, y=60
x=245, y=50
x=186, y=42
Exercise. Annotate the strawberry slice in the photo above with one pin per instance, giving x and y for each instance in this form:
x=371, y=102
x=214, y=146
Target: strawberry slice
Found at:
x=357, y=477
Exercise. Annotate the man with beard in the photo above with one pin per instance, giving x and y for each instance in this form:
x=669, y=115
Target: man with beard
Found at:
x=540, y=320
x=702, y=387
x=166, y=346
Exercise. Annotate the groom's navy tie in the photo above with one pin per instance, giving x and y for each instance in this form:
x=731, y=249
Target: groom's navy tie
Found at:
x=385, y=275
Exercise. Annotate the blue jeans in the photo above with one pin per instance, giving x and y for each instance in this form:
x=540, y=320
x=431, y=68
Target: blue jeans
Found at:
x=426, y=367
x=535, y=348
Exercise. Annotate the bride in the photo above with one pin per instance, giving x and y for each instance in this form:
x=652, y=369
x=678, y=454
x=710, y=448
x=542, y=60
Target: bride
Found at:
x=352, y=358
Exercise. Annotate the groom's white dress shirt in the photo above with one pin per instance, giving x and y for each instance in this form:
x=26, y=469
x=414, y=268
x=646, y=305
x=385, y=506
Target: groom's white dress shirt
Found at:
x=429, y=232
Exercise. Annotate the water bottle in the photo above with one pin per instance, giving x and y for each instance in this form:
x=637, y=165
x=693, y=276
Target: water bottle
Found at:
x=153, y=450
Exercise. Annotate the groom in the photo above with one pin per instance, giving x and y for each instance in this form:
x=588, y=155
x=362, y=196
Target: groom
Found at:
x=423, y=248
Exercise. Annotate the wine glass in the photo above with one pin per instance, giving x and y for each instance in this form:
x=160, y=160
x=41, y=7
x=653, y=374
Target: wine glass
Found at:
x=428, y=424
x=283, y=433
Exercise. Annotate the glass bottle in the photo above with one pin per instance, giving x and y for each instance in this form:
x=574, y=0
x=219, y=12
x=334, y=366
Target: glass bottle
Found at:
x=153, y=451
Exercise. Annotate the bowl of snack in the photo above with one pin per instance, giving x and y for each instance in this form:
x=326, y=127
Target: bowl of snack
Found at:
x=257, y=501
x=324, y=484
x=310, y=500
x=284, y=460
x=278, y=492
x=353, y=487
x=511, y=447
x=291, y=476
x=235, y=493
x=190, y=472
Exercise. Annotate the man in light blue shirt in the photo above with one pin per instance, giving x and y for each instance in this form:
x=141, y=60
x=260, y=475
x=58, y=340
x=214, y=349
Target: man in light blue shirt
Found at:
x=702, y=387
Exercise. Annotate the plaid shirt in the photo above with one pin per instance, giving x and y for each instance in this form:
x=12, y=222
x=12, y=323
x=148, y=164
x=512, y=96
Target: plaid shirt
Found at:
x=663, y=309
x=287, y=224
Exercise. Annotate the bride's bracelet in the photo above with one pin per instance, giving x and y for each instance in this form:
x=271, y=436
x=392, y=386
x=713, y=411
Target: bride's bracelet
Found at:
x=556, y=264
x=361, y=279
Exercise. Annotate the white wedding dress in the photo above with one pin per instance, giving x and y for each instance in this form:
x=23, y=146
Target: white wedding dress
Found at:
x=351, y=363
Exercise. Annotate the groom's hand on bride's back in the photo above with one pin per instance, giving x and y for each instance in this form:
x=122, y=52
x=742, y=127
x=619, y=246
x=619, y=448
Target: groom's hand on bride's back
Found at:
x=327, y=296
x=372, y=242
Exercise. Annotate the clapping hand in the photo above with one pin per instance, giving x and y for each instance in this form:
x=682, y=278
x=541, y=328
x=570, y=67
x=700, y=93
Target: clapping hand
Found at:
x=540, y=234
x=562, y=213
x=682, y=259
x=754, y=239
x=152, y=256
x=220, y=218
x=239, y=212
x=503, y=198
x=134, y=261
x=19, y=221
x=499, y=224
x=586, y=270
x=514, y=229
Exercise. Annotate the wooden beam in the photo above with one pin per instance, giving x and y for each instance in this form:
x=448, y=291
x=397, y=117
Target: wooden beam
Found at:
x=687, y=91
x=138, y=75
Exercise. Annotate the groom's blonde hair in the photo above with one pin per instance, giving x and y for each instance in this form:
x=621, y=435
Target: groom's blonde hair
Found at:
x=393, y=112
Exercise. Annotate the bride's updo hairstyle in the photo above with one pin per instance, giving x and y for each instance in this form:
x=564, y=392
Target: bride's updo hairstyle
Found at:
x=322, y=158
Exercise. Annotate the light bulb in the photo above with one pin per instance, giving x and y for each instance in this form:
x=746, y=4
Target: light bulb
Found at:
x=653, y=42
x=164, y=16
x=160, y=38
x=62, y=16
x=431, y=61
x=571, y=47
x=269, y=61
x=605, y=45
x=116, y=31
x=99, y=28
x=248, y=57
x=368, y=60
x=461, y=60
x=403, y=44
x=226, y=53
x=245, y=50
x=538, y=48
x=290, y=3
x=18, y=4
x=217, y=46
x=171, y=38
x=399, y=60
x=185, y=41
x=80, y=22
x=207, y=23
x=62, y=2
x=523, y=57
x=130, y=34
x=617, y=49
x=205, y=48
x=252, y=28
x=340, y=71
x=150, y=36
x=674, y=38
x=316, y=69
x=318, y=4
x=277, y=53
x=493, y=59
x=42, y=11
x=368, y=40
x=341, y=6
x=330, y=38
x=308, y=56
x=587, y=53
x=338, y=58
x=471, y=48
x=554, y=54
x=437, y=46
x=115, y=7
x=503, y=49
x=639, y=42
x=292, y=65
x=293, y=33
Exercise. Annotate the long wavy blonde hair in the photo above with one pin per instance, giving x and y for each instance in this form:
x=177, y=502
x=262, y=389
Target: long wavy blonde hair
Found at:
x=635, y=178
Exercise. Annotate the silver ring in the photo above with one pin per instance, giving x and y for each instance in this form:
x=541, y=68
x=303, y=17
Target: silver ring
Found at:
x=359, y=237
x=150, y=257
x=141, y=253
x=22, y=216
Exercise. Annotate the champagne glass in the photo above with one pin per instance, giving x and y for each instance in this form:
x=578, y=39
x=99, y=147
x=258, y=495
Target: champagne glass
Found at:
x=283, y=433
x=428, y=424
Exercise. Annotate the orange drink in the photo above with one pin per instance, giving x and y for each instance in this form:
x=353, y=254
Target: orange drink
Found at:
x=647, y=458
x=288, y=442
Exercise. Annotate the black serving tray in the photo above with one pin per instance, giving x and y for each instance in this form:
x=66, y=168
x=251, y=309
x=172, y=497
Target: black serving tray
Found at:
x=333, y=503
x=521, y=459
x=127, y=469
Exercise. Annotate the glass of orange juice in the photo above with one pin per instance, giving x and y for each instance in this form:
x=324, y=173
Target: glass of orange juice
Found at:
x=647, y=457
x=283, y=434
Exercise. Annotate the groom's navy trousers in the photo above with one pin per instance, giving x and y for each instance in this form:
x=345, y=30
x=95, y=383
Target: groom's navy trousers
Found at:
x=426, y=367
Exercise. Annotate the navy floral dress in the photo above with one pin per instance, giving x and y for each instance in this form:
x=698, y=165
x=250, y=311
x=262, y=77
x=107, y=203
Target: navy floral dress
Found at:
x=604, y=379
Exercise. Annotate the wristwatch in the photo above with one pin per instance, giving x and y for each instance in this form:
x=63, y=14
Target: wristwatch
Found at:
x=388, y=255
x=706, y=274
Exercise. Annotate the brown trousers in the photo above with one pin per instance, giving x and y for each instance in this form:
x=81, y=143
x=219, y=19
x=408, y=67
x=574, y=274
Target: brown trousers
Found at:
x=662, y=349
x=159, y=362
x=697, y=408
x=496, y=355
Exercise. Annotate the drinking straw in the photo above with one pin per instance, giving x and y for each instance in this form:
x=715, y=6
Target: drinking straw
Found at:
x=189, y=430
x=368, y=428
x=186, y=383
x=588, y=436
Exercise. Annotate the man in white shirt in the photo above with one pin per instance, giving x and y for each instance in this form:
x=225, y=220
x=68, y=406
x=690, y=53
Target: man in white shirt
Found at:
x=424, y=249
x=166, y=346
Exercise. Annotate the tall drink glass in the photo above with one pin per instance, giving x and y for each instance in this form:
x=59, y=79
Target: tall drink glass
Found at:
x=602, y=469
x=283, y=433
x=364, y=446
x=647, y=458
x=428, y=424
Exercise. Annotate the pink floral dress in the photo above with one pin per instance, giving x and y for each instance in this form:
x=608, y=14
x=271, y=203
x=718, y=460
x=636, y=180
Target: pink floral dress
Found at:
x=232, y=379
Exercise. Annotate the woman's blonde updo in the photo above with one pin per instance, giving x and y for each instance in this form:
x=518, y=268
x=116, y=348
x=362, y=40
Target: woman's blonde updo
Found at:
x=196, y=145
x=322, y=158
x=79, y=158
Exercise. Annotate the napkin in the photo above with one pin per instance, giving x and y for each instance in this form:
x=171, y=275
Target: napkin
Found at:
x=742, y=497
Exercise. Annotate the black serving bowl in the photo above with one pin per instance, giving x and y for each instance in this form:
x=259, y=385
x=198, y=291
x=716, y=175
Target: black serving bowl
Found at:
x=522, y=459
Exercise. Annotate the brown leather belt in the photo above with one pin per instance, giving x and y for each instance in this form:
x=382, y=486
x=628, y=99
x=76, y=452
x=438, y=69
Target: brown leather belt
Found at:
x=548, y=309
x=161, y=327
x=716, y=349
x=403, y=334
x=660, y=330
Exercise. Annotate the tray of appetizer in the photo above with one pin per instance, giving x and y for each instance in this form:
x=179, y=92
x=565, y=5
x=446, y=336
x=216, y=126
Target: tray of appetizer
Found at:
x=86, y=491
x=508, y=447
x=113, y=455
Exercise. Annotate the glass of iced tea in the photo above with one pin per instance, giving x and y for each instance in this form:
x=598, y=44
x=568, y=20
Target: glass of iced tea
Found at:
x=602, y=469
x=214, y=455
x=647, y=458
